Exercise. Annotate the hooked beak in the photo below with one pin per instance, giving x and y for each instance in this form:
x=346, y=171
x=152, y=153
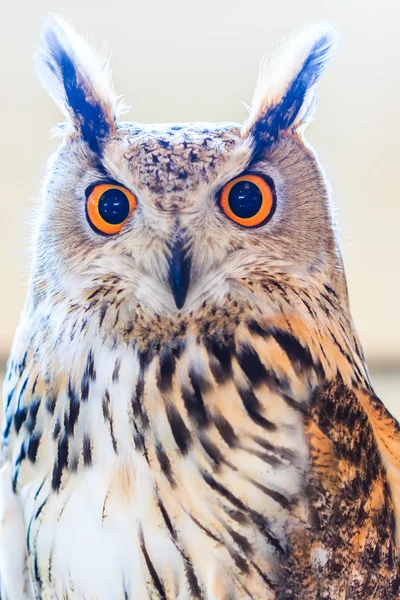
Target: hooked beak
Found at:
x=179, y=272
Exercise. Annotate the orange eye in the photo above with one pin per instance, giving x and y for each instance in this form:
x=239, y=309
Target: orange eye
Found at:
x=109, y=206
x=248, y=200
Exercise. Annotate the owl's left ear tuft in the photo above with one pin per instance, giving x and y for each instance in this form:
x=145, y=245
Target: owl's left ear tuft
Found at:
x=78, y=80
x=284, y=98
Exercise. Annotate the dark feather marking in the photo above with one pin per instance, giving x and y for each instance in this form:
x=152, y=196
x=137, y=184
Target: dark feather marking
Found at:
x=192, y=580
x=39, y=489
x=57, y=429
x=325, y=297
x=22, y=364
x=212, y=450
x=297, y=354
x=19, y=418
x=179, y=430
x=194, y=402
x=294, y=403
x=73, y=462
x=167, y=519
x=285, y=453
x=167, y=369
x=32, y=520
x=277, y=496
x=237, y=515
x=35, y=384
x=308, y=307
x=242, y=542
x=20, y=458
x=40, y=508
x=140, y=443
x=53, y=543
x=240, y=562
x=221, y=366
x=38, y=579
x=225, y=430
x=252, y=406
x=7, y=428
x=138, y=411
x=157, y=582
x=277, y=285
x=190, y=573
x=87, y=451
x=51, y=402
x=271, y=459
x=360, y=376
x=330, y=291
x=23, y=388
x=206, y=531
x=300, y=357
x=50, y=565
x=60, y=463
x=102, y=314
x=33, y=446
x=218, y=487
x=251, y=365
x=256, y=328
x=295, y=351
x=263, y=576
x=9, y=398
x=74, y=407
x=109, y=419
x=117, y=367
x=32, y=415
x=257, y=518
x=165, y=463
x=88, y=376
x=94, y=294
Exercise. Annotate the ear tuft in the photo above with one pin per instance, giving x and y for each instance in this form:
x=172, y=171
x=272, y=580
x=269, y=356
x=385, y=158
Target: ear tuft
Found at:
x=78, y=80
x=284, y=97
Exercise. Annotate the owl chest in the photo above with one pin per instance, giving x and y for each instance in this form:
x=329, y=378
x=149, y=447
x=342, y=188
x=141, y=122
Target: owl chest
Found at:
x=176, y=485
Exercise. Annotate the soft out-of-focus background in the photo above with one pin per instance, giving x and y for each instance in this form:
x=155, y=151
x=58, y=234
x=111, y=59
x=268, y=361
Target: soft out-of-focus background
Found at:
x=184, y=60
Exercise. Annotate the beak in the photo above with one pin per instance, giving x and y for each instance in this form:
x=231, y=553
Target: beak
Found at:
x=179, y=272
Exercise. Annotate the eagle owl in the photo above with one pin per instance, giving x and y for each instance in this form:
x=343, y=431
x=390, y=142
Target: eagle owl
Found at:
x=187, y=410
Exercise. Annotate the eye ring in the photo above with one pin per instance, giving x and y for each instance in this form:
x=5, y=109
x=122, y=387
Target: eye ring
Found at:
x=109, y=206
x=248, y=200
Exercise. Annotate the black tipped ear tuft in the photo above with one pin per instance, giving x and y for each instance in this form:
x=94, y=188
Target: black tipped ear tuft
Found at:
x=78, y=80
x=285, y=92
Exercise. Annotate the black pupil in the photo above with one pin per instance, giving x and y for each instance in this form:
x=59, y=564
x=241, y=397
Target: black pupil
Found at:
x=245, y=199
x=113, y=206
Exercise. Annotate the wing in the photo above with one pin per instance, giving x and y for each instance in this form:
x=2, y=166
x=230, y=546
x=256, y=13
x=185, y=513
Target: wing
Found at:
x=355, y=492
x=386, y=431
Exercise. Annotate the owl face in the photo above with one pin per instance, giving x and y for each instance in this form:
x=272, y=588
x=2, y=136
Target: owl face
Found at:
x=179, y=214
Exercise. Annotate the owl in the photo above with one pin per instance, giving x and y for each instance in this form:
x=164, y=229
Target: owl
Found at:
x=187, y=409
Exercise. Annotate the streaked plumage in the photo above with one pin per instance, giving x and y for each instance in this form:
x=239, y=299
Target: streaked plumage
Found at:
x=229, y=449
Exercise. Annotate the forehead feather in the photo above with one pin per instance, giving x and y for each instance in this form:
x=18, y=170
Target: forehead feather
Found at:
x=170, y=159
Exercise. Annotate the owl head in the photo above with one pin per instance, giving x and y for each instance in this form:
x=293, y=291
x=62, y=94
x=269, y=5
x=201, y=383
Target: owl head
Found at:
x=178, y=215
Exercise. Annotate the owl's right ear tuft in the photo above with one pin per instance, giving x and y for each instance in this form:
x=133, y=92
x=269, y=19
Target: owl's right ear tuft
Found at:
x=78, y=80
x=285, y=94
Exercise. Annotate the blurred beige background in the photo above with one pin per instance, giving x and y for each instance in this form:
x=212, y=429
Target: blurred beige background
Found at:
x=180, y=60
